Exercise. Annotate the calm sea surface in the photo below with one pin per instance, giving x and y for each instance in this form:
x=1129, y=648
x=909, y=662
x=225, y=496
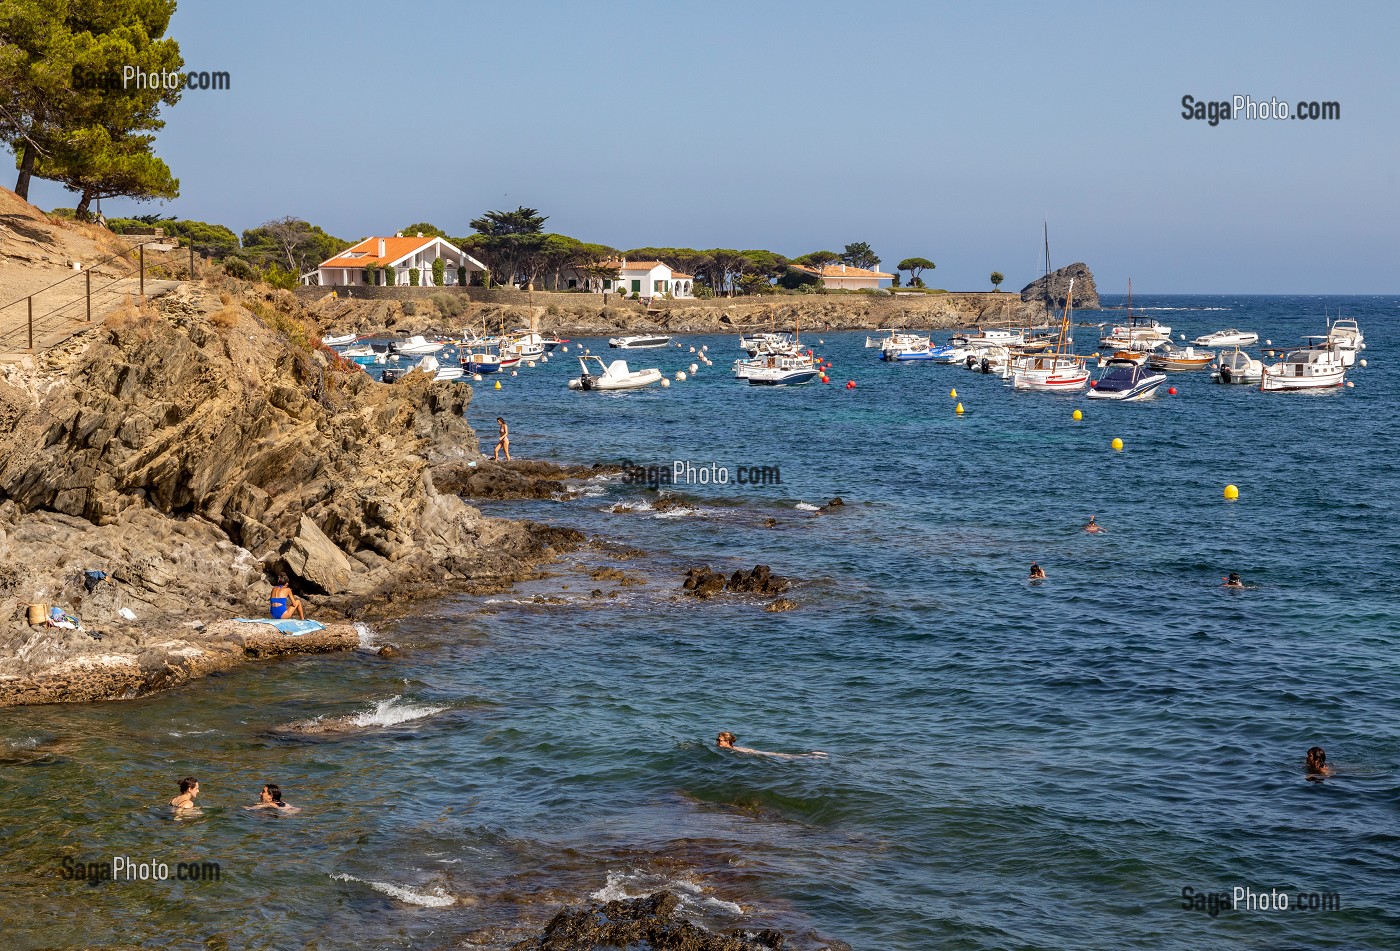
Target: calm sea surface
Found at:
x=1010, y=765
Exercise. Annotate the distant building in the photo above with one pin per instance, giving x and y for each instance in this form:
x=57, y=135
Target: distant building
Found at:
x=844, y=277
x=643, y=278
x=393, y=258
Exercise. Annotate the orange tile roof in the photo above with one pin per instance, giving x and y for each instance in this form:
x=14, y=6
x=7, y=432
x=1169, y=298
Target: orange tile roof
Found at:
x=688, y=277
x=368, y=251
x=635, y=265
x=838, y=270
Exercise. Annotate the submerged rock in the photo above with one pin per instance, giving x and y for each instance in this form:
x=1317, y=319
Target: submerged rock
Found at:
x=780, y=605
x=649, y=922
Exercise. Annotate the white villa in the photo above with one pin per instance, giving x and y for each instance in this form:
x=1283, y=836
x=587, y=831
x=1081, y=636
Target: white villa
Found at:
x=844, y=277
x=644, y=278
x=392, y=259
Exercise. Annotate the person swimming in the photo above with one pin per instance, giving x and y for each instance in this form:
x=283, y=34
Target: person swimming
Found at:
x=726, y=741
x=189, y=788
x=271, y=798
x=1233, y=581
x=1037, y=572
x=1316, y=763
x=1093, y=528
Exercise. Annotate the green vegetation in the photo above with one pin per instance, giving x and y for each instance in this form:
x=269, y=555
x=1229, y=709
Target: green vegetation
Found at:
x=439, y=270
x=860, y=255
x=425, y=229
x=916, y=266
x=294, y=242
x=65, y=114
x=997, y=278
x=413, y=277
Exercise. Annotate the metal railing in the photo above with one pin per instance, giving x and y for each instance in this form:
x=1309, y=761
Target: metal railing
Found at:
x=22, y=335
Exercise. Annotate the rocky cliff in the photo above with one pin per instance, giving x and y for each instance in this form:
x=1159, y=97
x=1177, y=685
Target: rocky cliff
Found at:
x=193, y=446
x=1051, y=289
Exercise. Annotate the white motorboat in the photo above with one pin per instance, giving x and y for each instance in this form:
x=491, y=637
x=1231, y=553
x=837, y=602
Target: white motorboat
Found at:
x=990, y=360
x=429, y=364
x=901, y=345
x=950, y=353
x=1126, y=381
x=1346, y=331
x=639, y=342
x=1305, y=369
x=769, y=342
x=1236, y=366
x=993, y=338
x=595, y=375
x=339, y=341
x=417, y=345
x=1227, y=338
x=776, y=369
x=526, y=345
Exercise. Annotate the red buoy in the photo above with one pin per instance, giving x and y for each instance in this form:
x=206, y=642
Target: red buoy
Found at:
x=1093, y=384
x=1171, y=390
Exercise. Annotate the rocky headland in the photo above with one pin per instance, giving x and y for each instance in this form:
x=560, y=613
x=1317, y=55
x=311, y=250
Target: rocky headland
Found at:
x=190, y=448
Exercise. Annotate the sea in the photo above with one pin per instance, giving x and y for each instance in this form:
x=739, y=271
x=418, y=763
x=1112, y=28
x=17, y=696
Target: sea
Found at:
x=1109, y=758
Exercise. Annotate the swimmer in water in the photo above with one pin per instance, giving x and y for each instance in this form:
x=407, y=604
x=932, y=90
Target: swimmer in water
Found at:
x=725, y=741
x=1316, y=763
x=1037, y=572
x=1233, y=581
x=189, y=788
x=271, y=798
x=1093, y=528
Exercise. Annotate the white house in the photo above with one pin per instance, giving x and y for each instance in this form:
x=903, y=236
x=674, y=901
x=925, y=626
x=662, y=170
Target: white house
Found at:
x=392, y=259
x=844, y=277
x=643, y=278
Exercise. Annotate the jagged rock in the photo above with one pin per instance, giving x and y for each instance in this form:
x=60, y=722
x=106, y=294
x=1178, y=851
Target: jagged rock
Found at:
x=650, y=922
x=705, y=583
x=1051, y=289
x=315, y=559
x=780, y=605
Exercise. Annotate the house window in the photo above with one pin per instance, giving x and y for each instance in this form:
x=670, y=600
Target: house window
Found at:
x=573, y=282
x=658, y=287
x=607, y=283
x=636, y=287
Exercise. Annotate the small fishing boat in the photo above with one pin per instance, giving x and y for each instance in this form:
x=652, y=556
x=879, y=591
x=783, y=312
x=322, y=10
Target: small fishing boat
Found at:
x=417, y=345
x=778, y=369
x=595, y=375
x=768, y=342
x=1228, y=338
x=1305, y=369
x=525, y=344
x=339, y=341
x=483, y=361
x=1236, y=366
x=639, y=342
x=1180, y=358
x=1126, y=381
x=1058, y=371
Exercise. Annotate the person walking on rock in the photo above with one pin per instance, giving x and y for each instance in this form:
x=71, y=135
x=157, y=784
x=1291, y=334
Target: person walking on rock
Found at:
x=504, y=441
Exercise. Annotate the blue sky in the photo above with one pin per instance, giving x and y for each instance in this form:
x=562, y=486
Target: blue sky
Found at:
x=936, y=130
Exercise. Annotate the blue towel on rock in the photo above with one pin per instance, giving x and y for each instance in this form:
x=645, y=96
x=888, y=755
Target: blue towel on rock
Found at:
x=293, y=627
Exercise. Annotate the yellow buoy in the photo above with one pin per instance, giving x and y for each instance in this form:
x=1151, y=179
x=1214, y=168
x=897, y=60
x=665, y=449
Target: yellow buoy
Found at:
x=498, y=384
x=959, y=409
x=953, y=394
x=1232, y=492
x=1117, y=444
x=1078, y=414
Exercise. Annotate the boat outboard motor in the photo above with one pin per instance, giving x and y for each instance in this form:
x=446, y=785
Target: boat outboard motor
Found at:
x=1225, y=372
x=391, y=375
x=986, y=365
x=971, y=360
x=587, y=382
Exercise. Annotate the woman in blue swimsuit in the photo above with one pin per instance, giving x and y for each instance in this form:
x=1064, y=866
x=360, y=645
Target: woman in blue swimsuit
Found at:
x=283, y=602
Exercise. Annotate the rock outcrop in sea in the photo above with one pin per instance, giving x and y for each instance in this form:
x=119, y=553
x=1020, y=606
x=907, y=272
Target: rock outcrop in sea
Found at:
x=191, y=447
x=1051, y=289
x=652, y=922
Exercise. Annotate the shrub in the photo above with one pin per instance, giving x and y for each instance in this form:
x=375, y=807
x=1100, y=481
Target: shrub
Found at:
x=461, y=277
x=413, y=275
x=226, y=317
x=439, y=269
x=391, y=277
x=368, y=275
x=239, y=268
x=279, y=276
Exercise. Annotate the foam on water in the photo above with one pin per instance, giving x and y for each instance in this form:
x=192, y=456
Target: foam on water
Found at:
x=392, y=712
x=434, y=899
x=807, y=507
x=367, y=635
x=625, y=886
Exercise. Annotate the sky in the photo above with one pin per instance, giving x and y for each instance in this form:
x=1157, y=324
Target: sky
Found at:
x=946, y=131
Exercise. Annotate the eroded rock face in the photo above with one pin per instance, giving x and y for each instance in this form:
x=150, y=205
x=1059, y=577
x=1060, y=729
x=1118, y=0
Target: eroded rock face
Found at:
x=650, y=922
x=1052, y=288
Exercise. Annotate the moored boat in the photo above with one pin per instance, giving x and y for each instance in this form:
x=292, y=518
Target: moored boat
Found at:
x=339, y=341
x=1126, y=381
x=639, y=342
x=1058, y=371
x=1237, y=367
x=901, y=345
x=595, y=375
x=1304, y=369
x=1228, y=338
x=779, y=369
x=416, y=345
x=1180, y=359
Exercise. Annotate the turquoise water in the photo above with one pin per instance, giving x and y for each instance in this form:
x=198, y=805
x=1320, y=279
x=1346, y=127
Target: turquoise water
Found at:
x=1010, y=765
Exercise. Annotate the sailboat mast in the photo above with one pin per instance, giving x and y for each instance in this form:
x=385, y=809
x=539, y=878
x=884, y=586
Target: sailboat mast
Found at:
x=1064, y=328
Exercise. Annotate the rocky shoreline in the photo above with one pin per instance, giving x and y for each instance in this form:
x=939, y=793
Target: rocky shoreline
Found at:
x=188, y=450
